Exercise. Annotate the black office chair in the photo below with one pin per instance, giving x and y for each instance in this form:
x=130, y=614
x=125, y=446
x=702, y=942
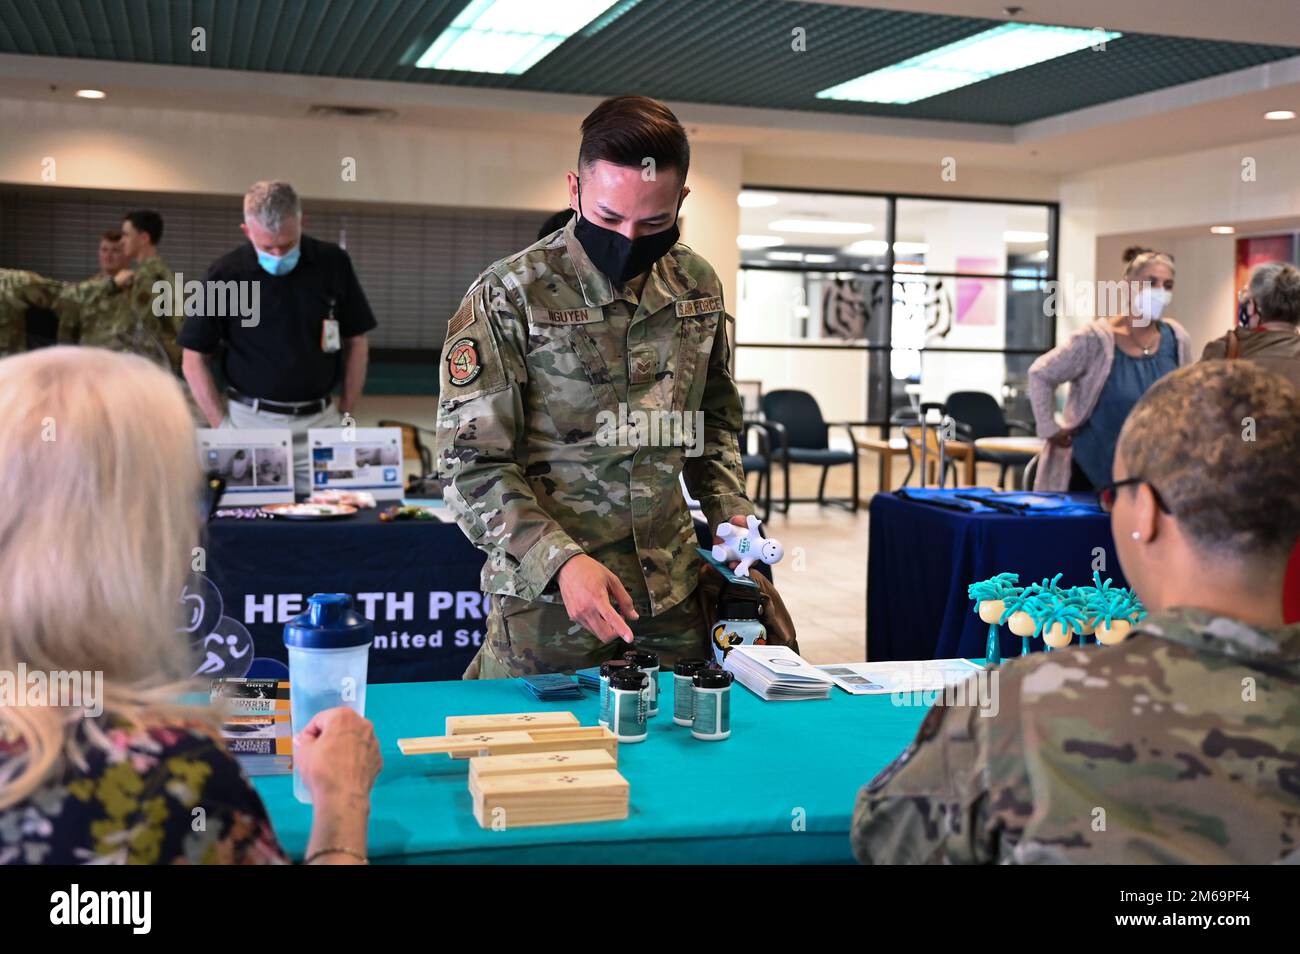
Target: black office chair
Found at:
x=979, y=415
x=803, y=438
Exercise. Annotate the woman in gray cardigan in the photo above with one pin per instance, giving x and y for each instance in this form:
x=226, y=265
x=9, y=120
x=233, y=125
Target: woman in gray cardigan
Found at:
x=1109, y=364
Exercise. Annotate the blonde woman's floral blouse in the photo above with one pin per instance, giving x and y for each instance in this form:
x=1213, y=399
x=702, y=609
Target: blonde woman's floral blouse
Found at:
x=163, y=795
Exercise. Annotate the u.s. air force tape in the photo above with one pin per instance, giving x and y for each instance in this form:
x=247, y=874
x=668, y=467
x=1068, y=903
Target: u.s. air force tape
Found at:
x=698, y=306
x=462, y=362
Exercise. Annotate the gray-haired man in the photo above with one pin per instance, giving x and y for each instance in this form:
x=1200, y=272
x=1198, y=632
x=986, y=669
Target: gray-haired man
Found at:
x=307, y=337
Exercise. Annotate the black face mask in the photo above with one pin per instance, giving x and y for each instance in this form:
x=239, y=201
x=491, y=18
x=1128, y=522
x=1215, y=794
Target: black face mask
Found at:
x=618, y=257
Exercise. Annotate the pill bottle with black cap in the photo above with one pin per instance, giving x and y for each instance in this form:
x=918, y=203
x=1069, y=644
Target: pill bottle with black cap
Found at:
x=712, y=708
x=684, y=689
x=648, y=663
x=627, y=719
x=605, y=669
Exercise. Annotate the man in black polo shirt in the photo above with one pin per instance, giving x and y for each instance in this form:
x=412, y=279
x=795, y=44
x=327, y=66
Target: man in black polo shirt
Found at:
x=309, y=332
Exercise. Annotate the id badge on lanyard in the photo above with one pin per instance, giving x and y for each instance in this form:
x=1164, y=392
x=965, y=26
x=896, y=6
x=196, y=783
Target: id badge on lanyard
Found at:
x=330, y=339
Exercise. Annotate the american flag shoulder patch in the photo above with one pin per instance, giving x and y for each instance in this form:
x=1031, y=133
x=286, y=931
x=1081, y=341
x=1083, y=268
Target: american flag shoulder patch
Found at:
x=463, y=318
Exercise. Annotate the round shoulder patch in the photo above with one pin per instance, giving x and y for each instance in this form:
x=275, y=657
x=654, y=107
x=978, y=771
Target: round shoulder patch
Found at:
x=462, y=362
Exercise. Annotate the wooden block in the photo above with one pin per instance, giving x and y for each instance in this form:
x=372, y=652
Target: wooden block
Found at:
x=540, y=763
x=557, y=798
x=506, y=722
x=510, y=743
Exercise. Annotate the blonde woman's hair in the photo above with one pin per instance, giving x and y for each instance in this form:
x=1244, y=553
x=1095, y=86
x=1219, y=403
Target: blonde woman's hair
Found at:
x=1138, y=259
x=100, y=484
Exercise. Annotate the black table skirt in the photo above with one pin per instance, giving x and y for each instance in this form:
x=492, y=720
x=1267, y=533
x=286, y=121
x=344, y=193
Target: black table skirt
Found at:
x=418, y=581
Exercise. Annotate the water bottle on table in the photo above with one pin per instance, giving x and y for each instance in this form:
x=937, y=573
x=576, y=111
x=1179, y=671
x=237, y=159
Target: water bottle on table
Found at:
x=329, y=648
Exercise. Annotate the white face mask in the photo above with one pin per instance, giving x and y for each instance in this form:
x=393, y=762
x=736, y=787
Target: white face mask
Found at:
x=1151, y=303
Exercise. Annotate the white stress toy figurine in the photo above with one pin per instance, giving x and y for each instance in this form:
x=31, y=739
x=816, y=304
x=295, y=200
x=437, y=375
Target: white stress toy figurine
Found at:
x=747, y=546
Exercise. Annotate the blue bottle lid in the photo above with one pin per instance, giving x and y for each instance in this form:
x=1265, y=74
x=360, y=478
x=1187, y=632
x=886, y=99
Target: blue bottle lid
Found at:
x=329, y=622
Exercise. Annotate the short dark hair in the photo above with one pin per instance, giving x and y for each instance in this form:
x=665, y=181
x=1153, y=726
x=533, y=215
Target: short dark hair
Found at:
x=146, y=220
x=111, y=235
x=557, y=221
x=627, y=130
x=1219, y=441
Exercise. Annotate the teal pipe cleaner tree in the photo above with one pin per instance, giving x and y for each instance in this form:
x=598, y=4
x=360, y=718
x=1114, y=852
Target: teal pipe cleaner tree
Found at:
x=1053, y=613
x=990, y=597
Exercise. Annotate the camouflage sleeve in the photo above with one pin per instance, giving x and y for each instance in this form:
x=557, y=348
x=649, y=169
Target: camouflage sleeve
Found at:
x=931, y=804
x=715, y=477
x=142, y=297
x=75, y=296
x=481, y=426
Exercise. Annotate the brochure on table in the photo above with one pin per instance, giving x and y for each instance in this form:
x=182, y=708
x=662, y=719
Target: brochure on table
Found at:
x=256, y=464
x=357, y=458
x=879, y=678
x=776, y=673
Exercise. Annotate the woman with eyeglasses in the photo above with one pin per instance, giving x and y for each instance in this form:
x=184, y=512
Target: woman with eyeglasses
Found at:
x=1109, y=364
x=1177, y=745
x=1268, y=312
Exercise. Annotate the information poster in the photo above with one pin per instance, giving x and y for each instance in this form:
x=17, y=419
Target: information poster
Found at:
x=357, y=458
x=256, y=464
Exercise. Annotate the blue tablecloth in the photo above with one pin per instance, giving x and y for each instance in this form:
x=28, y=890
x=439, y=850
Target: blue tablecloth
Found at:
x=418, y=581
x=921, y=559
x=780, y=790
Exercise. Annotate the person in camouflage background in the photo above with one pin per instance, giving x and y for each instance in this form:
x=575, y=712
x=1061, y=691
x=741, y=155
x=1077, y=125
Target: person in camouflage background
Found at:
x=1179, y=744
x=19, y=291
x=589, y=541
x=125, y=320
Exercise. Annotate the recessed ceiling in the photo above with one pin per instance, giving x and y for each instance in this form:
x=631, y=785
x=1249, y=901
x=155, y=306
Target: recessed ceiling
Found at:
x=722, y=52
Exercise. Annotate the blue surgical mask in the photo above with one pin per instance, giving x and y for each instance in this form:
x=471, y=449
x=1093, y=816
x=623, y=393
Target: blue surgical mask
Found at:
x=279, y=264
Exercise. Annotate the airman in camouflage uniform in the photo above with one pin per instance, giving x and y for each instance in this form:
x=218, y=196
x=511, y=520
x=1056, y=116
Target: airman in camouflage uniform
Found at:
x=1180, y=745
x=124, y=320
x=19, y=291
x=542, y=344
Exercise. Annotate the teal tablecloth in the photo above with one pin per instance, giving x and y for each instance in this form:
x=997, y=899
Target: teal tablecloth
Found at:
x=787, y=766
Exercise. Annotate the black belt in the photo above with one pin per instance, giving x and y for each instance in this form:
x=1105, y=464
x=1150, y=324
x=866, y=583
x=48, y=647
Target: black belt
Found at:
x=293, y=409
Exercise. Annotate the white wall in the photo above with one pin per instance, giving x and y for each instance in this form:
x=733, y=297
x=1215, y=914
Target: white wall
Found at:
x=111, y=147
x=920, y=177
x=100, y=145
x=1172, y=202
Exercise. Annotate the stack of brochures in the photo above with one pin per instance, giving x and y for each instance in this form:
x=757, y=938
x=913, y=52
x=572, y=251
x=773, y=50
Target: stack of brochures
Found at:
x=777, y=673
x=255, y=723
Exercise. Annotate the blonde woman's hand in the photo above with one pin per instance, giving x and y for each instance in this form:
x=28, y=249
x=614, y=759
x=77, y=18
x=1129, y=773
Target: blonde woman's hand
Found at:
x=338, y=756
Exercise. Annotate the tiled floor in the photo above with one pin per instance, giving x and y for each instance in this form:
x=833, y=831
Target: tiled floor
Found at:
x=823, y=578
